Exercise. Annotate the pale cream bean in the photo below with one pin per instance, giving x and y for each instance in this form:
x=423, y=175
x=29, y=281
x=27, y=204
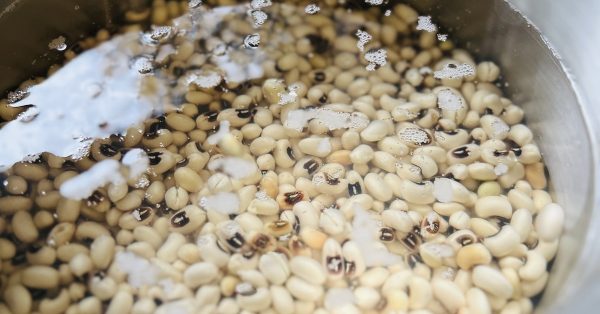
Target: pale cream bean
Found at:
x=180, y=122
x=122, y=302
x=57, y=305
x=18, y=299
x=489, y=206
x=477, y=301
x=459, y=220
x=90, y=230
x=315, y=146
x=132, y=200
x=534, y=267
x=488, y=71
x=148, y=235
x=188, y=179
x=282, y=300
x=384, y=161
x=522, y=223
x=448, y=293
x=264, y=207
x=377, y=187
x=219, y=182
x=7, y=249
x=549, y=222
x=252, y=299
x=168, y=251
x=504, y=242
x=275, y=267
x=519, y=199
x=374, y=132
x=535, y=174
x=80, y=264
x=23, y=227
x=490, y=188
x=418, y=193
x=397, y=219
x=102, y=251
x=40, y=277
x=210, y=251
x=473, y=254
x=307, y=269
x=262, y=145
x=420, y=293
x=532, y=288
x=200, y=274
x=303, y=290
x=481, y=171
x=492, y=281
x=393, y=145
x=332, y=221
x=176, y=198
x=362, y=154
x=366, y=298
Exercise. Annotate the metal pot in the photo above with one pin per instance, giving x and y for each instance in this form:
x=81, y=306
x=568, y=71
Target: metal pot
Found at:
x=490, y=28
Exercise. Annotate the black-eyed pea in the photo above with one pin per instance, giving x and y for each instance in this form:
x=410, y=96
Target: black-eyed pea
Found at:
x=161, y=161
x=284, y=154
x=534, y=267
x=449, y=294
x=427, y=165
x=532, y=288
x=535, y=175
x=494, y=127
x=43, y=219
x=23, y=227
x=315, y=146
x=459, y=220
x=471, y=255
x=413, y=136
x=137, y=217
x=402, y=112
x=80, y=264
x=121, y=302
x=451, y=139
x=210, y=251
x=488, y=71
x=253, y=299
x=43, y=255
x=350, y=139
x=514, y=174
x=549, y=222
x=12, y=204
x=548, y=249
x=465, y=154
x=362, y=154
x=504, y=242
x=90, y=230
x=512, y=114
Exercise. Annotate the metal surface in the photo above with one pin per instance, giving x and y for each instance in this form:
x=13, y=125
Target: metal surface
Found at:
x=493, y=30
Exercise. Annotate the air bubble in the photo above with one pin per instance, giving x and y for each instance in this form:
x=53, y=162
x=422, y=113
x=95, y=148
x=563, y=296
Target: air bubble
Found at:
x=252, y=41
x=143, y=65
x=158, y=35
x=193, y=4
x=388, y=12
x=424, y=24
x=442, y=37
x=374, y=2
x=312, y=9
x=58, y=43
x=363, y=39
x=453, y=71
x=259, y=4
x=259, y=17
x=376, y=58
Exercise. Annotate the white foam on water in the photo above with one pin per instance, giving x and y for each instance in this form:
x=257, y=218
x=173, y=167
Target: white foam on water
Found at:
x=83, y=185
x=137, y=161
x=442, y=37
x=93, y=96
x=333, y=120
x=252, y=41
x=193, y=4
x=363, y=230
x=374, y=2
x=454, y=71
x=140, y=271
x=235, y=167
x=449, y=100
x=260, y=4
x=259, y=17
x=387, y=12
x=215, y=138
x=424, y=24
x=204, y=79
x=223, y=202
x=376, y=58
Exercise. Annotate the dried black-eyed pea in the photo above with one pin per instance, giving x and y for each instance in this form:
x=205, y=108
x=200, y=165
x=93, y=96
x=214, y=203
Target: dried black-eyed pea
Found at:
x=279, y=228
x=261, y=242
x=333, y=259
x=137, y=217
x=15, y=185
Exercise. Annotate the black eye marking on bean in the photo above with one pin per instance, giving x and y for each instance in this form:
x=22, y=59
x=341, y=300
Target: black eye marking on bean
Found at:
x=319, y=76
x=499, y=153
x=514, y=147
x=413, y=260
x=387, y=234
x=237, y=241
x=142, y=213
x=335, y=264
x=320, y=45
x=211, y=116
x=244, y=113
x=465, y=240
x=107, y=150
x=154, y=158
x=411, y=241
x=331, y=180
x=182, y=163
x=290, y=153
x=349, y=267
x=461, y=152
x=180, y=219
x=323, y=99
x=311, y=166
x=34, y=248
x=354, y=189
x=293, y=197
x=153, y=130
x=95, y=199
